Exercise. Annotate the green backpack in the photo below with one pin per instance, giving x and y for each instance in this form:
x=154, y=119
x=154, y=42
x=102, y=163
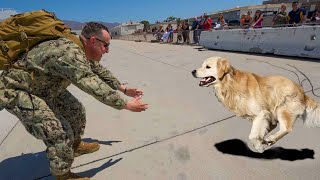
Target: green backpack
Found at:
x=19, y=33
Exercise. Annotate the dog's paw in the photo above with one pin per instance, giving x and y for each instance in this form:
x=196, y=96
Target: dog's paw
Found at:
x=260, y=147
x=269, y=141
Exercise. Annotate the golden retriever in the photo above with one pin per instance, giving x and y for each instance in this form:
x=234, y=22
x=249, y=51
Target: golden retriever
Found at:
x=266, y=101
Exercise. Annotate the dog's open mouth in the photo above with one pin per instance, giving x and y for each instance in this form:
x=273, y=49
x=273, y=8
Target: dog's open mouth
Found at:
x=207, y=80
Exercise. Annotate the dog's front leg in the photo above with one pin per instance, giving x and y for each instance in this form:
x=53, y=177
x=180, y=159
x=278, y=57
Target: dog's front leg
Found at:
x=260, y=128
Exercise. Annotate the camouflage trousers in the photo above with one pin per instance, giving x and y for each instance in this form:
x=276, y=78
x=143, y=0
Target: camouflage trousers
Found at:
x=57, y=121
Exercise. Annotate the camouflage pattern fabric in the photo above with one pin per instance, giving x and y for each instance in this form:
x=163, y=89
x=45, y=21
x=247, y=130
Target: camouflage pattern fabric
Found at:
x=281, y=18
x=105, y=75
x=55, y=131
x=37, y=95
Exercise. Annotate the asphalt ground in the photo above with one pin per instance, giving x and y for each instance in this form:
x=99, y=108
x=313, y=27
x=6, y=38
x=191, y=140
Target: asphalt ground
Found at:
x=185, y=134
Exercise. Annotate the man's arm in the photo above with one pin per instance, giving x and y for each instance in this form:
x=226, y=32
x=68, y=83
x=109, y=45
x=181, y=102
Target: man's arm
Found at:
x=105, y=75
x=73, y=65
x=302, y=16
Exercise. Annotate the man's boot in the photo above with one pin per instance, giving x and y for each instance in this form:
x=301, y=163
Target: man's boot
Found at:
x=71, y=176
x=81, y=147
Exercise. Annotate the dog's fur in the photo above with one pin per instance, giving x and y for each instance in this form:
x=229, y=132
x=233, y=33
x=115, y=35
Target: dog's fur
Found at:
x=266, y=101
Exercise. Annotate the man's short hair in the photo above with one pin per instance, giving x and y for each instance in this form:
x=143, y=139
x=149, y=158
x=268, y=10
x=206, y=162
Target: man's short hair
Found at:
x=93, y=29
x=295, y=2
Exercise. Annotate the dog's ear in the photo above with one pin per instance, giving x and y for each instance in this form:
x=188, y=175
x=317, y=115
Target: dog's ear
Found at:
x=223, y=67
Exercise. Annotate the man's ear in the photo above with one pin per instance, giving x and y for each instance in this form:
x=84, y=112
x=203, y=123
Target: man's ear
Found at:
x=92, y=40
x=223, y=68
x=83, y=40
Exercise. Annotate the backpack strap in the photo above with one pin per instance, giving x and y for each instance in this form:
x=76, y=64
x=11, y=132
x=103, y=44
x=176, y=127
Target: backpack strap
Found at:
x=6, y=52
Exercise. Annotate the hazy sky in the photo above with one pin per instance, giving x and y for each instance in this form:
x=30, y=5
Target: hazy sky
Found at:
x=125, y=10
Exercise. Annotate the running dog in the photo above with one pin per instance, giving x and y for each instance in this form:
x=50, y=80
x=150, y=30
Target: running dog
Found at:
x=266, y=101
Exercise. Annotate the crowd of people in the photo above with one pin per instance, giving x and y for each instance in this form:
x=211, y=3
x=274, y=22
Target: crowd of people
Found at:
x=296, y=16
x=282, y=18
x=183, y=30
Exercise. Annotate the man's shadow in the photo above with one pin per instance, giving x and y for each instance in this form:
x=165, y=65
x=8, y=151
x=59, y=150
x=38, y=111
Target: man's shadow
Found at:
x=239, y=148
x=92, y=172
x=25, y=166
x=108, y=143
x=35, y=165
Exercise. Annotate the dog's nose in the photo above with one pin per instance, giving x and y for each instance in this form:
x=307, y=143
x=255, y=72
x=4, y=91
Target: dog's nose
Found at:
x=193, y=72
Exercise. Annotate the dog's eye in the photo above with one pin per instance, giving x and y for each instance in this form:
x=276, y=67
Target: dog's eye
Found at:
x=208, y=67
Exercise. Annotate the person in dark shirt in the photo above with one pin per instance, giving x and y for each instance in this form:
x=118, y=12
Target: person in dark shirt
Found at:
x=297, y=15
x=195, y=27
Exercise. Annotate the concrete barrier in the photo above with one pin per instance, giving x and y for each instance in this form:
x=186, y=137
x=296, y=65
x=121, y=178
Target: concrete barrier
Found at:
x=302, y=41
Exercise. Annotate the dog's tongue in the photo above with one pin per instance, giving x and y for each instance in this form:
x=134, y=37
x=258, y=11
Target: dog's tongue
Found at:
x=203, y=81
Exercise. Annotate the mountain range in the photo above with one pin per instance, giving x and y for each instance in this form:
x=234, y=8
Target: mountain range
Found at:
x=74, y=25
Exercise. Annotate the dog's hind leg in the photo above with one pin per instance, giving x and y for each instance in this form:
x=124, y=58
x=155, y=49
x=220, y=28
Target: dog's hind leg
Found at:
x=261, y=126
x=286, y=120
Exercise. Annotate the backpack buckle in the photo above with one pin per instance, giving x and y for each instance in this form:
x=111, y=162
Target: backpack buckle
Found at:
x=4, y=46
x=23, y=35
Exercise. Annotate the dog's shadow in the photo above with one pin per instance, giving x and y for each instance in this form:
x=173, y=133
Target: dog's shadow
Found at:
x=239, y=148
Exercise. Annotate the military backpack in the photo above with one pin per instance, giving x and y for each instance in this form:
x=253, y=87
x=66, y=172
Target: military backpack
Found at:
x=20, y=32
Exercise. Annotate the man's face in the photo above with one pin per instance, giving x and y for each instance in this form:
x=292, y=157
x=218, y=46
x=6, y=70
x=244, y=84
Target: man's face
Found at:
x=99, y=45
x=295, y=6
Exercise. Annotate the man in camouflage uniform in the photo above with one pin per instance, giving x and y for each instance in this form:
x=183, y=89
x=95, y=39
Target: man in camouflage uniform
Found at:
x=37, y=94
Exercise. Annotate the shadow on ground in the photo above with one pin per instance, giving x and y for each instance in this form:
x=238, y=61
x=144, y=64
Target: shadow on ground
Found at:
x=108, y=143
x=92, y=172
x=35, y=165
x=89, y=173
x=239, y=148
x=26, y=166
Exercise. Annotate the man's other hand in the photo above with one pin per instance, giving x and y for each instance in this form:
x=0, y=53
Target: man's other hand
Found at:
x=135, y=105
x=133, y=92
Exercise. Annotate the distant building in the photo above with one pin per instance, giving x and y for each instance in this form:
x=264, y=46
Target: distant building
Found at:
x=126, y=29
x=278, y=1
x=6, y=12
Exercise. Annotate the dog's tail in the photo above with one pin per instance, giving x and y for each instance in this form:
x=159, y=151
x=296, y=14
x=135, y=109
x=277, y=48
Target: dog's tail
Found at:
x=311, y=116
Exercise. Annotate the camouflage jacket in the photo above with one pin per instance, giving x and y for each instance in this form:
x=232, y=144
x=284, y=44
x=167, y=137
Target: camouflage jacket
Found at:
x=281, y=18
x=50, y=67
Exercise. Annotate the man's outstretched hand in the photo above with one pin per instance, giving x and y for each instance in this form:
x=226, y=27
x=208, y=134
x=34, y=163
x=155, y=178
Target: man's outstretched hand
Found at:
x=135, y=105
x=133, y=92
